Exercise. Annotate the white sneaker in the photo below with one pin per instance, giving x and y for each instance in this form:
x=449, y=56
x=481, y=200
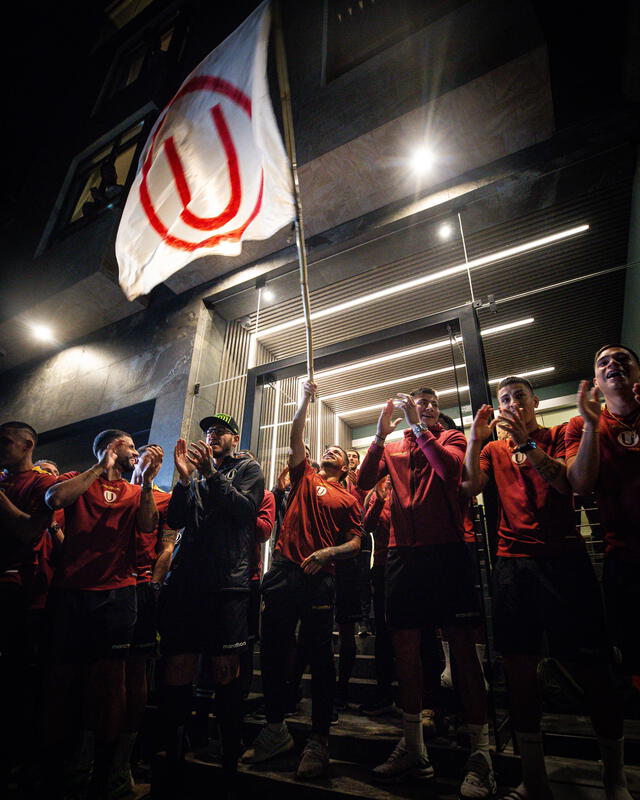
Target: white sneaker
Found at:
x=402, y=764
x=314, y=760
x=478, y=779
x=267, y=744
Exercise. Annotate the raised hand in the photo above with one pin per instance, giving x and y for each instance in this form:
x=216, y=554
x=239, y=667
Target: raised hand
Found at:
x=514, y=423
x=386, y=424
x=153, y=463
x=408, y=405
x=589, y=404
x=201, y=456
x=483, y=424
x=183, y=465
x=310, y=389
x=107, y=458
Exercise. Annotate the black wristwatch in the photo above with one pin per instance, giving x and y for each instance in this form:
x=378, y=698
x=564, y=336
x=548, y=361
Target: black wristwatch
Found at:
x=524, y=448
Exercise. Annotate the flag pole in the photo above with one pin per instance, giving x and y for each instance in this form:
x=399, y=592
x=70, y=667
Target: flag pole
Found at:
x=289, y=138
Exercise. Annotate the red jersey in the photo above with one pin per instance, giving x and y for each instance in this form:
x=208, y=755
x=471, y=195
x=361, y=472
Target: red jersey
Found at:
x=99, y=550
x=618, y=486
x=265, y=522
x=377, y=520
x=26, y=490
x=467, y=519
x=147, y=541
x=37, y=578
x=319, y=514
x=425, y=475
x=359, y=494
x=535, y=519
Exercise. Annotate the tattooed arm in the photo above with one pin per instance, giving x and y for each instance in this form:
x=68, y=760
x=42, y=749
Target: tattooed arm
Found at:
x=553, y=470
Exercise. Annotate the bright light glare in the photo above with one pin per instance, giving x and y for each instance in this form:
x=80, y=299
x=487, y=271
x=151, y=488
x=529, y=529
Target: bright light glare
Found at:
x=445, y=231
x=398, y=288
x=422, y=160
x=268, y=295
x=42, y=333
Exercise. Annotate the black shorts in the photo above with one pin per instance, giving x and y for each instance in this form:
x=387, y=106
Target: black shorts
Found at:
x=559, y=597
x=347, y=591
x=145, y=632
x=621, y=584
x=430, y=587
x=253, y=613
x=13, y=625
x=211, y=623
x=87, y=626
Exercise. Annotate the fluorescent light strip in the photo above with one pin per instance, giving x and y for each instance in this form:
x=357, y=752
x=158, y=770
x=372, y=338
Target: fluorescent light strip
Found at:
x=432, y=276
x=390, y=383
x=415, y=350
x=378, y=406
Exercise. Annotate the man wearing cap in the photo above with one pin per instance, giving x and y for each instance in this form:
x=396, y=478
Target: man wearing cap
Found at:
x=203, y=609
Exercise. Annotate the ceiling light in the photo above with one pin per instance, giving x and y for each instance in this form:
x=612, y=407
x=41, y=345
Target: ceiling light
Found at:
x=370, y=362
x=42, y=333
x=453, y=389
x=390, y=383
x=421, y=160
x=428, y=278
x=445, y=231
x=268, y=295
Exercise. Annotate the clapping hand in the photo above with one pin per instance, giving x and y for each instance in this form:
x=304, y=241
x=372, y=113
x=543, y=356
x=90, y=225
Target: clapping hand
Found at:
x=201, y=456
x=589, y=404
x=386, y=424
x=183, y=464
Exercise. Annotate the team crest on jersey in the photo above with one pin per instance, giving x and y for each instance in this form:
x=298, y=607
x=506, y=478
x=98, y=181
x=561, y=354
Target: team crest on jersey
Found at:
x=518, y=458
x=321, y=490
x=628, y=438
x=231, y=474
x=110, y=496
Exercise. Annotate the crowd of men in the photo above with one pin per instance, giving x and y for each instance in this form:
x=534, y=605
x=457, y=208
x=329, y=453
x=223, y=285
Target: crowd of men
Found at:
x=91, y=580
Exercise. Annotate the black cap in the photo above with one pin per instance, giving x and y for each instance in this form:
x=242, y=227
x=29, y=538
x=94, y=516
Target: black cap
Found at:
x=220, y=419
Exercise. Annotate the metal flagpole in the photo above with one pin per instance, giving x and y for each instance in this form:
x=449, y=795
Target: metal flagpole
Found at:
x=287, y=118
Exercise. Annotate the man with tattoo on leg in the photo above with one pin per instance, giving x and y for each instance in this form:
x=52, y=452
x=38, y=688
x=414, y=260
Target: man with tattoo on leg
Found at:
x=543, y=579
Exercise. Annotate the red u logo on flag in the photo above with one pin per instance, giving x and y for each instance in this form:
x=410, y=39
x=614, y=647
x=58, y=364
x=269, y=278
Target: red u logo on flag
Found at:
x=202, y=83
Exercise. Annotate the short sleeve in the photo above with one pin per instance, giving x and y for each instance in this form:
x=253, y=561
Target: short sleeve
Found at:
x=486, y=463
x=558, y=448
x=572, y=436
x=297, y=473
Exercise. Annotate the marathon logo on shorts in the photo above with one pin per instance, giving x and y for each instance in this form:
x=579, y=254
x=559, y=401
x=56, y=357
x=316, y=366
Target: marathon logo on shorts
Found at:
x=518, y=459
x=628, y=438
x=321, y=490
x=233, y=646
x=110, y=496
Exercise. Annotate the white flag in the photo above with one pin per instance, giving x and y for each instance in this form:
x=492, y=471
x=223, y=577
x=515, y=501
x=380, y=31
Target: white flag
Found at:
x=213, y=171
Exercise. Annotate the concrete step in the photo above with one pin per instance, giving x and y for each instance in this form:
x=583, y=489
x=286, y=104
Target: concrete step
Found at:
x=569, y=779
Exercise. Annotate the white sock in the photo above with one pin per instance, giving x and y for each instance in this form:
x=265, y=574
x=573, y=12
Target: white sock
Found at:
x=480, y=739
x=445, y=677
x=615, y=782
x=122, y=756
x=412, y=724
x=277, y=727
x=534, y=771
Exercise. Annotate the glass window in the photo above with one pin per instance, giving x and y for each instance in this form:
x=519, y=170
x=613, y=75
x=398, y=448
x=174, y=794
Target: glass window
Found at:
x=102, y=177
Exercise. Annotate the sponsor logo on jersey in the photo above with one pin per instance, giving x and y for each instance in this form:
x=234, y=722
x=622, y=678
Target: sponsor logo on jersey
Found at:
x=628, y=438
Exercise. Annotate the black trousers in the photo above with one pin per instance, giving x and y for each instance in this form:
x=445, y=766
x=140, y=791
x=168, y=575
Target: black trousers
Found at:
x=364, y=578
x=290, y=595
x=383, y=646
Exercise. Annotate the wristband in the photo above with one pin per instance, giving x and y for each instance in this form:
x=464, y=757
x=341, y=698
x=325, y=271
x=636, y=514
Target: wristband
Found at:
x=526, y=447
x=147, y=487
x=379, y=440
